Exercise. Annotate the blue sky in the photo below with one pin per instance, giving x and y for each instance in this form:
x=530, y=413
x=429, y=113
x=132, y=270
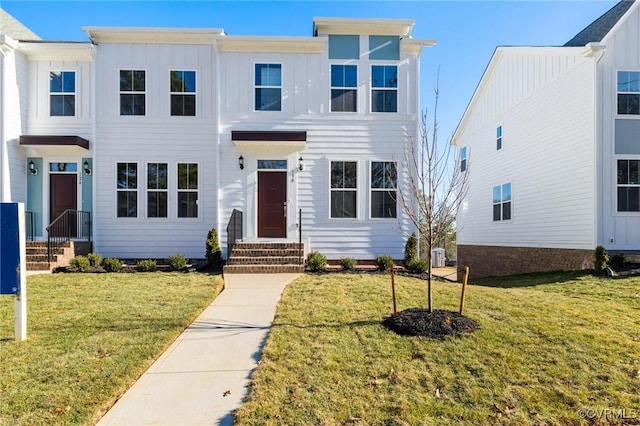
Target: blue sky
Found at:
x=466, y=32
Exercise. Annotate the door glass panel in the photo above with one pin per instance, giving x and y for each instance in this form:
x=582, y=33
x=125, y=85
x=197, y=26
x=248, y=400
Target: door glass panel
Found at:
x=63, y=167
x=272, y=164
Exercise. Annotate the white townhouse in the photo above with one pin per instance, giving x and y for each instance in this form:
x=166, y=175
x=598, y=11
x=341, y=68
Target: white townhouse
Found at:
x=160, y=134
x=551, y=139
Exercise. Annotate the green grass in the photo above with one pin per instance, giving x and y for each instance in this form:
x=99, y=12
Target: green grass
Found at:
x=89, y=337
x=549, y=345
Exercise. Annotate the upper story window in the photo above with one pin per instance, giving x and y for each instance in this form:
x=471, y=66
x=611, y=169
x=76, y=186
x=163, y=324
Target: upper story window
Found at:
x=499, y=138
x=344, y=46
x=268, y=87
x=463, y=159
x=628, y=185
x=629, y=92
x=127, y=190
x=502, y=202
x=384, y=88
x=344, y=88
x=62, y=93
x=132, y=92
x=157, y=189
x=384, y=179
x=384, y=47
x=187, y=190
x=343, y=189
x=183, y=93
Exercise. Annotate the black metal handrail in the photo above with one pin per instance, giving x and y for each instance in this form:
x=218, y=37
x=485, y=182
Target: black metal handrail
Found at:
x=29, y=225
x=234, y=230
x=71, y=224
x=300, y=248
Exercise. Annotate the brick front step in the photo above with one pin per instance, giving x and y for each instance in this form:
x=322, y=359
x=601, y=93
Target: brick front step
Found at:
x=37, y=266
x=263, y=260
x=262, y=269
x=282, y=252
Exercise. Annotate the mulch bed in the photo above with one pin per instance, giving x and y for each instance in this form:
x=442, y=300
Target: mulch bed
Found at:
x=438, y=324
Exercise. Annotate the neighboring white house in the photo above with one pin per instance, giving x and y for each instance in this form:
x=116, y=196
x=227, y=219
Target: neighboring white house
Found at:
x=551, y=139
x=161, y=133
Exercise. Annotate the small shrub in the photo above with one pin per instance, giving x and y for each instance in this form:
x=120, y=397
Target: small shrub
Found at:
x=177, y=261
x=417, y=266
x=95, y=259
x=348, y=263
x=601, y=259
x=411, y=250
x=80, y=264
x=316, y=261
x=111, y=264
x=148, y=265
x=212, y=249
x=384, y=262
x=617, y=261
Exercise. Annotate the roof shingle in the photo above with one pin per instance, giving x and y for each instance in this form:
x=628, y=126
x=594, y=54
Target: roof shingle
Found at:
x=599, y=28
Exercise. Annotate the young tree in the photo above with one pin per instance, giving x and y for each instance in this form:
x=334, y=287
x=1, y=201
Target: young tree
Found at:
x=436, y=185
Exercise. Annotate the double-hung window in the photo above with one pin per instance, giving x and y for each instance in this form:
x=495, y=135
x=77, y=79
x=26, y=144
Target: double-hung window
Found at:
x=384, y=88
x=157, y=190
x=629, y=92
x=268, y=87
x=463, y=159
x=384, y=181
x=183, y=93
x=344, y=88
x=344, y=189
x=187, y=190
x=62, y=93
x=499, y=138
x=628, y=185
x=132, y=92
x=127, y=189
x=502, y=202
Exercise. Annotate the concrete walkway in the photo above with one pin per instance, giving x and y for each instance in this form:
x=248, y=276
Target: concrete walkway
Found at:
x=202, y=378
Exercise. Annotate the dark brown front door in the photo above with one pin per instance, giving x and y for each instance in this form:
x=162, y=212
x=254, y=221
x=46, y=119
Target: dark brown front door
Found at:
x=63, y=194
x=272, y=208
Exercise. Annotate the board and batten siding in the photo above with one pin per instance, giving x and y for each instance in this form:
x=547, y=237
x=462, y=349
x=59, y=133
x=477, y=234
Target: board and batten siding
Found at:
x=545, y=104
x=155, y=137
x=616, y=230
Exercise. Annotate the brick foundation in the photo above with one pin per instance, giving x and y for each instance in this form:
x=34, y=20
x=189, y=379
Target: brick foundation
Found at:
x=491, y=261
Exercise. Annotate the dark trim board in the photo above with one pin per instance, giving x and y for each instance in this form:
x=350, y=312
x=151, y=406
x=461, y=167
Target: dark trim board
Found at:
x=54, y=140
x=269, y=136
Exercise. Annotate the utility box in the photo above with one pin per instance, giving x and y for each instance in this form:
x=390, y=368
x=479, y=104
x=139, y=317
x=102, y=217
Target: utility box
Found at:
x=437, y=258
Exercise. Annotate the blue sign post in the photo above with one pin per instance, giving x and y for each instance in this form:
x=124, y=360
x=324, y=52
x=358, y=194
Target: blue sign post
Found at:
x=13, y=262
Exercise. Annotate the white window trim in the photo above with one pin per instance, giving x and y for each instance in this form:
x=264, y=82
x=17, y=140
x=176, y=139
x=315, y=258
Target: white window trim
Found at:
x=614, y=201
x=146, y=94
x=615, y=98
x=356, y=189
x=200, y=215
x=356, y=87
x=396, y=89
x=115, y=185
x=281, y=87
x=184, y=93
x=147, y=190
x=370, y=190
x=75, y=93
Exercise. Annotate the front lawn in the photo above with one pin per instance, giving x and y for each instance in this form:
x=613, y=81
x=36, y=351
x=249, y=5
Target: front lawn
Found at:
x=89, y=337
x=549, y=346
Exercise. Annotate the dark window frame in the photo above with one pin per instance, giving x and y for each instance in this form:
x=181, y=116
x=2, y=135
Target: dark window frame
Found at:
x=127, y=178
x=502, y=203
x=182, y=98
x=341, y=91
x=188, y=191
x=383, y=186
x=342, y=187
x=133, y=99
x=62, y=99
x=261, y=90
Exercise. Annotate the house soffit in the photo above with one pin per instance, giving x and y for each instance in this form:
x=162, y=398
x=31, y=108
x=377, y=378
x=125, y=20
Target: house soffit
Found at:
x=57, y=51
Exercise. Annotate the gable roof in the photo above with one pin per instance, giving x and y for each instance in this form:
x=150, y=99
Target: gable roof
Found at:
x=13, y=28
x=599, y=28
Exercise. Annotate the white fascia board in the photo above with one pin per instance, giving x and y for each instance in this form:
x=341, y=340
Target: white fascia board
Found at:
x=399, y=27
x=57, y=51
x=413, y=46
x=153, y=35
x=271, y=44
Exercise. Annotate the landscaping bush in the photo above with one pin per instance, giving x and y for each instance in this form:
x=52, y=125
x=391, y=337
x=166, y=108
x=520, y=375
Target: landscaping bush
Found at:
x=411, y=250
x=95, y=259
x=148, y=265
x=111, y=264
x=80, y=264
x=316, y=261
x=384, y=262
x=417, y=266
x=177, y=261
x=212, y=252
x=617, y=261
x=348, y=263
x=601, y=259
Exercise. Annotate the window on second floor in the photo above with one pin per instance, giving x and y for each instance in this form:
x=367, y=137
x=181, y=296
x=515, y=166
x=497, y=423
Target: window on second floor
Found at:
x=463, y=159
x=628, y=185
x=62, y=93
x=344, y=189
x=384, y=180
x=384, y=88
x=502, y=202
x=268, y=87
x=499, y=138
x=629, y=92
x=132, y=92
x=183, y=93
x=344, y=88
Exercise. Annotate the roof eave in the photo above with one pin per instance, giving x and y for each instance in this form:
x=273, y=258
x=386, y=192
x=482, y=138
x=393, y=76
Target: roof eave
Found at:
x=399, y=27
x=152, y=35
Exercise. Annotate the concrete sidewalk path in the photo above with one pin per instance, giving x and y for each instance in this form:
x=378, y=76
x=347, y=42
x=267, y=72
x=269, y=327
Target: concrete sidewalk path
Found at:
x=202, y=378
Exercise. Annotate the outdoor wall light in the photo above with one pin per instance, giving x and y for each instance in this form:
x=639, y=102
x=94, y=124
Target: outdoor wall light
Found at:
x=87, y=170
x=32, y=168
x=300, y=164
x=241, y=162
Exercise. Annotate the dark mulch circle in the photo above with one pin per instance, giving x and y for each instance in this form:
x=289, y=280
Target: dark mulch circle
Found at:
x=437, y=324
